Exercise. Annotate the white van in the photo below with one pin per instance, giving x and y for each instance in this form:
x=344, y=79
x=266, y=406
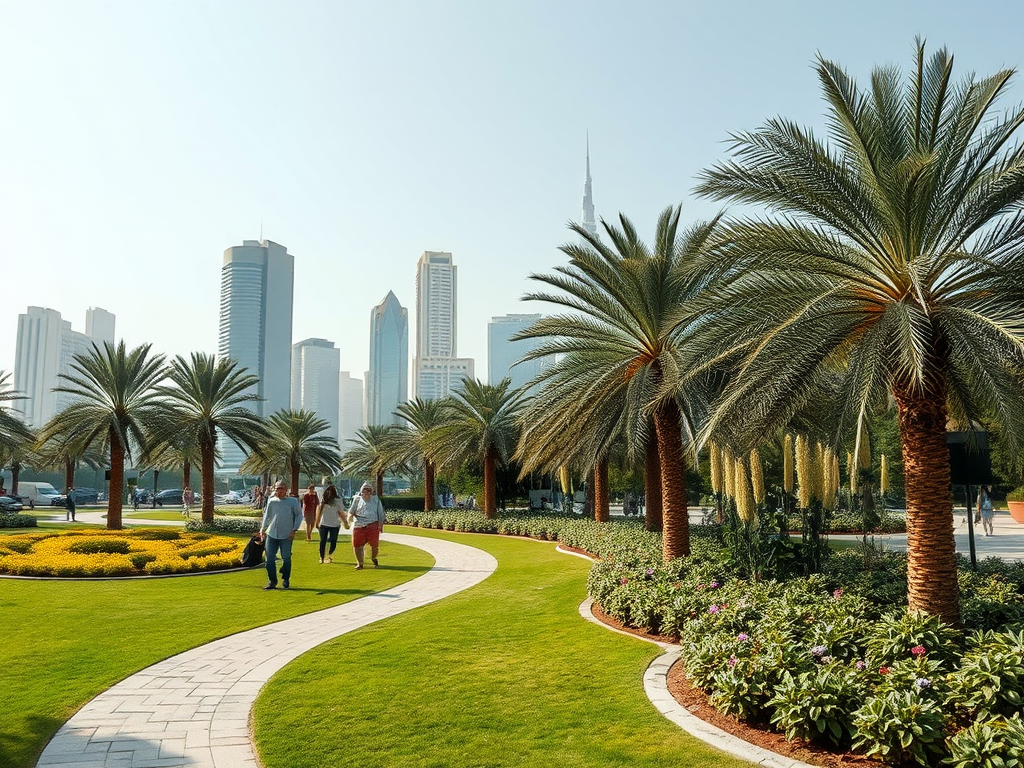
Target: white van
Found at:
x=42, y=494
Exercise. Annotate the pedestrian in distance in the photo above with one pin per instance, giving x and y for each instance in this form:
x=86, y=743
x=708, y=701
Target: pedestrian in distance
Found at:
x=310, y=502
x=985, y=509
x=330, y=516
x=282, y=517
x=368, y=522
x=187, y=498
x=69, y=503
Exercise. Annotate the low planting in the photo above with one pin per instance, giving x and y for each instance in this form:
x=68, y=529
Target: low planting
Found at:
x=91, y=553
x=14, y=520
x=834, y=658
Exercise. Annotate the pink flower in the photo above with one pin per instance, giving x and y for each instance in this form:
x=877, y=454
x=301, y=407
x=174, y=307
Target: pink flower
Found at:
x=743, y=637
x=713, y=609
x=918, y=650
x=733, y=661
x=838, y=593
x=883, y=670
x=624, y=580
x=861, y=666
x=714, y=585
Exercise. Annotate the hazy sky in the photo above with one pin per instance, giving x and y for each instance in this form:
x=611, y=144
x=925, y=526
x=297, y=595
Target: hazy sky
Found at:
x=138, y=140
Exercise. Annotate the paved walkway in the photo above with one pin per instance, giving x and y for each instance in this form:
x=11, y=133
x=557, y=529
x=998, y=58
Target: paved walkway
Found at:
x=192, y=710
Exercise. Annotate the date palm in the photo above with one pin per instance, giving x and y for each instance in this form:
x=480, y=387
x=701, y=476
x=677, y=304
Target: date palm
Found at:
x=116, y=405
x=372, y=454
x=620, y=371
x=207, y=400
x=410, y=442
x=295, y=443
x=61, y=452
x=15, y=435
x=895, y=260
x=480, y=424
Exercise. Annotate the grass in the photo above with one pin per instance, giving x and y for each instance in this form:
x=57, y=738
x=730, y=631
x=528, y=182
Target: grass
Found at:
x=503, y=674
x=64, y=641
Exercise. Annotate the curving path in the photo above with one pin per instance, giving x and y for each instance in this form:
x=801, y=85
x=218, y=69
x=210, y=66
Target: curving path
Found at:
x=192, y=710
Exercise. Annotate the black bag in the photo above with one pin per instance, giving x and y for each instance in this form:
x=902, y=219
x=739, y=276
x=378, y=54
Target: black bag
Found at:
x=253, y=553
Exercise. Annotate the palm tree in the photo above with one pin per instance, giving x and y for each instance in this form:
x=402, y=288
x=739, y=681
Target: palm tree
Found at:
x=207, y=400
x=116, y=404
x=15, y=435
x=896, y=261
x=61, y=452
x=410, y=442
x=480, y=423
x=295, y=443
x=620, y=370
x=373, y=453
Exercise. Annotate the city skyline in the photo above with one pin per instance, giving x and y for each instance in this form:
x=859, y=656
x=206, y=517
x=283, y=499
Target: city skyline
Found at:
x=144, y=137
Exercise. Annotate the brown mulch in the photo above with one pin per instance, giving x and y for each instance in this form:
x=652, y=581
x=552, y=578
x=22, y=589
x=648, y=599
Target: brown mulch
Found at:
x=696, y=702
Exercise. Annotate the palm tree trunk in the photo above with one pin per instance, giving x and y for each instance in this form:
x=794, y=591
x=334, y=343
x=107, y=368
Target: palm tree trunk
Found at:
x=675, y=516
x=931, y=548
x=15, y=474
x=186, y=475
x=652, y=486
x=295, y=470
x=380, y=484
x=428, y=485
x=490, y=483
x=207, y=456
x=115, y=501
x=602, y=510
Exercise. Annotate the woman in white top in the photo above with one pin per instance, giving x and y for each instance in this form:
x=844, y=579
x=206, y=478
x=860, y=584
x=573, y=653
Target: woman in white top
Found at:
x=330, y=516
x=368, y=521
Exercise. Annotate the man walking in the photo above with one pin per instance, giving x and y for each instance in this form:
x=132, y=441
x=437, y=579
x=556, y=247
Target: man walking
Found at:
x=69, y=502
x=282, y=517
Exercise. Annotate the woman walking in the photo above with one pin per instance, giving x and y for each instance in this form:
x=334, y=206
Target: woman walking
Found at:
x=368, y=514
x=985, y=510
x=330, y=516
x=310, y=502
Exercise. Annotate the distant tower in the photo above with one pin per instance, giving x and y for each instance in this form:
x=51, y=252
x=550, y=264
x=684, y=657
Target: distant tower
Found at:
x=257, y=282
x=316, y=365
x=436, y=369
x=588, y=222
x=46, y=349
x=387, y=381
x=350, y=409
x=504, y=354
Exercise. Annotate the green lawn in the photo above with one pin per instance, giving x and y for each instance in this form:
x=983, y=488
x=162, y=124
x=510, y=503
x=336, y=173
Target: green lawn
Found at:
x=63, y=641
x=504, y=674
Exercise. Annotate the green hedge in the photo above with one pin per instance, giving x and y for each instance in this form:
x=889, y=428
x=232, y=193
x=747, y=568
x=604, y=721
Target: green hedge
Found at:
x=14, y=520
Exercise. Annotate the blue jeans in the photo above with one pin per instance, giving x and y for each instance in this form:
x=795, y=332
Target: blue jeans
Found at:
x=328, y=533
x=272, y=547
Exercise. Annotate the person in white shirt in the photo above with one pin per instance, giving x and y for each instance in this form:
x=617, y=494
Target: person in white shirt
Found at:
x=368, y=514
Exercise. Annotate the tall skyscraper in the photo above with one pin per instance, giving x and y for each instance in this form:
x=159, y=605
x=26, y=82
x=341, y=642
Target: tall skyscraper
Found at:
x=436, y=369
x=503, y=353
x=587, y=221
x=45, y=350
x=316, y=366
x=256, y=289
x=387, y=381
x=350, y=409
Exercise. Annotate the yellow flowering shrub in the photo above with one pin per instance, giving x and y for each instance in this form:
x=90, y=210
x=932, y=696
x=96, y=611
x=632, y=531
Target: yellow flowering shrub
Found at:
x=93, y=553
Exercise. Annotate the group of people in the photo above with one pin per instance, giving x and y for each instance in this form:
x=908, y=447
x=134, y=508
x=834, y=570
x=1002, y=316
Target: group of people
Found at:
x=284, y=515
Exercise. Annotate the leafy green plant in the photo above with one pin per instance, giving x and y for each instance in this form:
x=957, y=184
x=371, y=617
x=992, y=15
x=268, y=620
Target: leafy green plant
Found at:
x=1017, y=494
x=996, y=743
x=899, y=634
x=816, y=705
x=900, y=726
x=990, y=679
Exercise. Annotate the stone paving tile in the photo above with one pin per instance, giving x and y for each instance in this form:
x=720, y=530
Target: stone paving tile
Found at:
x=193, y=709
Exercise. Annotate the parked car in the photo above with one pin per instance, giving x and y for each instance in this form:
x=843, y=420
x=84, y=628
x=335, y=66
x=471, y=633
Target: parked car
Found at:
x=231, y=497
x=82, y=496
x=174, y=498
x=10, y=504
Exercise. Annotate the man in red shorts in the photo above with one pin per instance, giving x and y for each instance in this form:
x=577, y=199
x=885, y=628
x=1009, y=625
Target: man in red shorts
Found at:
x=368, y=522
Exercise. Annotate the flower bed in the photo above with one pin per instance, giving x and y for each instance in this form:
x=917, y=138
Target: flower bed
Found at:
x=95, y=553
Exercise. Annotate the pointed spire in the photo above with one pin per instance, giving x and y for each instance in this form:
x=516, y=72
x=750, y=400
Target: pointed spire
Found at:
x=588, y=222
